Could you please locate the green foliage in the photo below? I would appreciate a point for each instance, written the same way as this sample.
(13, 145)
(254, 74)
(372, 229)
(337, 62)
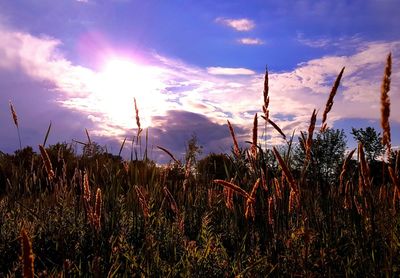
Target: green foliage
(371, 140)
(327, 155)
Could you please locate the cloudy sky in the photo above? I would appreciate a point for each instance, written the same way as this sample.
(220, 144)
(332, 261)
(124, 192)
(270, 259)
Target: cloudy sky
(191, 65)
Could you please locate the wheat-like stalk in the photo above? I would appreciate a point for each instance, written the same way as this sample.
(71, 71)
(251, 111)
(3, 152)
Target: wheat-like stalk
(236, 149)
(385, 104)
(266, 89)
(310, 135)
(187, 174)
(171, 199)
(293, 201)
(286, 171)
(97, 209)
(228, 192)
(255, 137)
(15, 119)
(143, 202)
(47, 162)
(137, 119)
(344, 168)
(86, 188)
(278, 190)
(329, 102)
(27, 255)
(365, 173)
(265, 94)
(347, 196)
(14, 114)
(271, 210)
(234, 187)
(277, 128)
(170, 154)
(251, 200)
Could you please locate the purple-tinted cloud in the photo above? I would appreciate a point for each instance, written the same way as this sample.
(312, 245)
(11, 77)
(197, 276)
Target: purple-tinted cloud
(176, 99)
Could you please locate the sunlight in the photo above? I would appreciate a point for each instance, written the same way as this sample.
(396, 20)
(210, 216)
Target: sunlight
(118, 83)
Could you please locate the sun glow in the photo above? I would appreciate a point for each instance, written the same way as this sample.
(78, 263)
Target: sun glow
(118, 83)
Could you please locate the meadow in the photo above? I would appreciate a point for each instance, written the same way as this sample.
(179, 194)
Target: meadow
(308, 208)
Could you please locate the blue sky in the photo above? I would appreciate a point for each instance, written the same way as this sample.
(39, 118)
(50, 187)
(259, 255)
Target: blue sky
(191, 65)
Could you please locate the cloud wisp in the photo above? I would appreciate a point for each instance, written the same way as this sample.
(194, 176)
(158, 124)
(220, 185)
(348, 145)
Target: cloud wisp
(229, 71)
(250, 41)
(240, 24)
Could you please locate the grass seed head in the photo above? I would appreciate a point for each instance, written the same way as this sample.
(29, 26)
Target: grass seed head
(236, 149)
(385, 104)
(27, 255)
(329, 102)
(47, 162)
(14, 114)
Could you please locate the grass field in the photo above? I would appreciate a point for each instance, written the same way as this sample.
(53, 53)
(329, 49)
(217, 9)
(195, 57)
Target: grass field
(256, 212)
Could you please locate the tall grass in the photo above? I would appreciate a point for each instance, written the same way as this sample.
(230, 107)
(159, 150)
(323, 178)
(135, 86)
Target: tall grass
(262, 215)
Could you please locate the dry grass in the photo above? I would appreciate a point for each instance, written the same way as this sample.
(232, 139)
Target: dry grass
(275, 126)
(97, 210)
(286, 171)
(236, 149)
(169, 154)
(344, 169)
(47, 163)
(27, 255)
(310, 135)
(14, 114)
(385, 104)
(144, 221)
(250, 202)
(253, 149)
(15, 119)
(143, 201)
(137, 120)
(329, 102)
(234, 187)
(86, 188)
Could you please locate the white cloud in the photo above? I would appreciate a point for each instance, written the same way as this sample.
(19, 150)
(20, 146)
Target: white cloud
(250, 41)
(40, 58)
(218, 92)
(229, 71)
(241, 24)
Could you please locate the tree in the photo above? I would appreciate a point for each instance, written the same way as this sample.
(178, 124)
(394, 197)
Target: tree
(193, 150)
(371, 140)
(327, 155)
(214, 166)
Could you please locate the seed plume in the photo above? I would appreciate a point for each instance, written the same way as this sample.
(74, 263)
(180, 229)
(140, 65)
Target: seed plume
(329, 102)
(15, 119)
(27, 255)
(234, 187)
(47, 162)
(137, 119)
(255, 136)
(310, 135)
(236, 149)
(385, 103)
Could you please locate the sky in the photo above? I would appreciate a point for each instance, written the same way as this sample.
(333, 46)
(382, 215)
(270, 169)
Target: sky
(191, 65)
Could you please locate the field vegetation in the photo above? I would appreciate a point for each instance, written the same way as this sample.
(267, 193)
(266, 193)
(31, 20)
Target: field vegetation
(308, 208)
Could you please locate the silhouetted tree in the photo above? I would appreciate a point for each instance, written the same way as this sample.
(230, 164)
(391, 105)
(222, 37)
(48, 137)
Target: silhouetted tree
(371, 140)
(327, 155)
(214, 166)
